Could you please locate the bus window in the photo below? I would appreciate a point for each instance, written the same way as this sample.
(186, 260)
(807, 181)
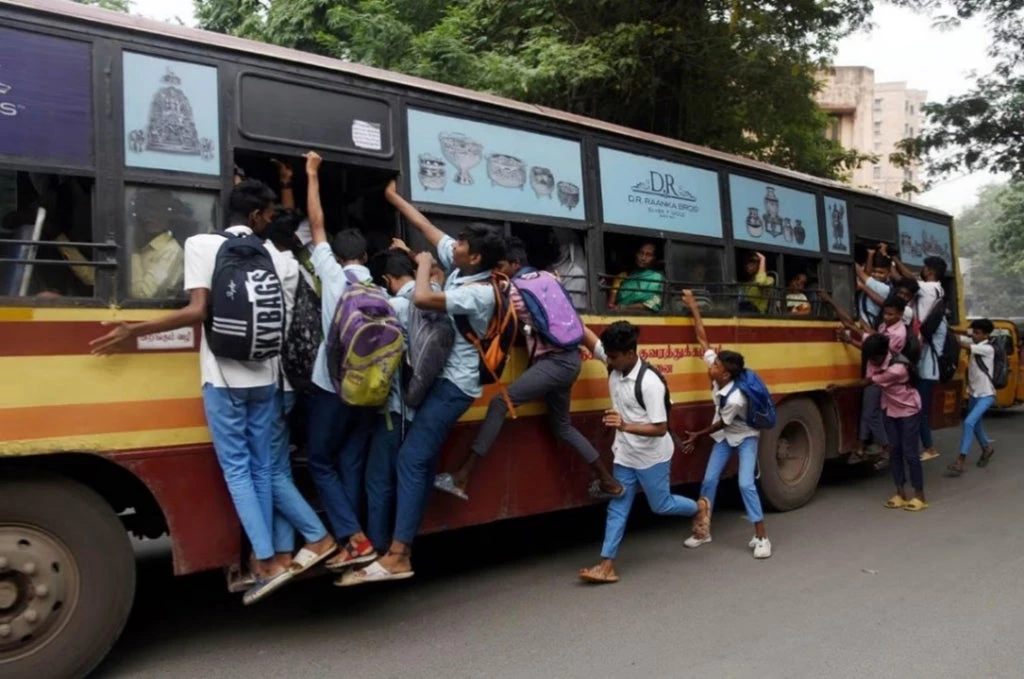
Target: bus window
(758, 290)
(46, 207)
(698, 268)
(841, 284)
(352, 197)
(560, 251)
(802, 282)
(159, 220)
(634, 277)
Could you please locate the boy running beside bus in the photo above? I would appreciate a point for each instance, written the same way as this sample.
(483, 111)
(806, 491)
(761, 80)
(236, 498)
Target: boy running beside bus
(643, 447)
(469, 260)
(552, 371)
(981, 390)
(731, 432)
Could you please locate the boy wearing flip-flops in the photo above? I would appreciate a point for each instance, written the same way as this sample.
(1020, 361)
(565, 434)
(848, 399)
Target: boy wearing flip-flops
(901, 403)
(643, 447)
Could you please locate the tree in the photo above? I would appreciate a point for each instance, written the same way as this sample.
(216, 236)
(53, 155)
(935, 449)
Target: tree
(735, 75)
(988, 233)
(982, 129)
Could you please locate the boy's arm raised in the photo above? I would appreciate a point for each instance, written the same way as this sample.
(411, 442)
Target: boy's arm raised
(698, 323)
(412, 215)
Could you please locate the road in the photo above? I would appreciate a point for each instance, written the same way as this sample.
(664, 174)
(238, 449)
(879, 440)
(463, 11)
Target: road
(853, 590)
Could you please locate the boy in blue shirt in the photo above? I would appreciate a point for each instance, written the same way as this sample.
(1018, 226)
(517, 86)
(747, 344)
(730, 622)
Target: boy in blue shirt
(467, 292)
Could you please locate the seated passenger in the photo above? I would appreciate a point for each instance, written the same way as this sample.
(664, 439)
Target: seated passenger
(754, 295)
(571, 267)
(158, 263)
(643, 288)
(796, 299)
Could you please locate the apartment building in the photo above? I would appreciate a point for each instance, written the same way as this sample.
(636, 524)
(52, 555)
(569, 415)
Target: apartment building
(872, 118)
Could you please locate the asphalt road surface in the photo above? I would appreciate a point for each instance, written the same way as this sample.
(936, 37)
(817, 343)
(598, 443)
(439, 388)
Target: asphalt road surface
(853, 590)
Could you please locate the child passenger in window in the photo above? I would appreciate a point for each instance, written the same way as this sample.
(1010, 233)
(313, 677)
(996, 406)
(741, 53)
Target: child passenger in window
(754, 294)
(796, 299)
(642, 289)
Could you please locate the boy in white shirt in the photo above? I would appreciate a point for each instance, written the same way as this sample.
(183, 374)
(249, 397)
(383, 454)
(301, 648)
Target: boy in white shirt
(730, 433)
(643, 447)
(981, 392)
(239, 396)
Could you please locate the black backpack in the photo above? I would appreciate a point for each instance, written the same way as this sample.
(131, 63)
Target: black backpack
(948, 356)
(304, 337)
(431, 336)
(246, 316)
(638, 394)
(1000, 375)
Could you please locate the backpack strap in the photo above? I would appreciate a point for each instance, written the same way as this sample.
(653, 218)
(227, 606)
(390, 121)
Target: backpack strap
(722, 400)
(984, 368)
(638, 391)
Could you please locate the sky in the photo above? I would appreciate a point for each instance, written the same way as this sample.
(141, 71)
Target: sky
(902, 46)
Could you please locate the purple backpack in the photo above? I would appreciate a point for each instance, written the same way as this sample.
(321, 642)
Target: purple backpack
(365, 345)
(551, 309)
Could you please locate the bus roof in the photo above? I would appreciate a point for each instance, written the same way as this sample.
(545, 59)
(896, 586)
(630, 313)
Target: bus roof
(251, 47)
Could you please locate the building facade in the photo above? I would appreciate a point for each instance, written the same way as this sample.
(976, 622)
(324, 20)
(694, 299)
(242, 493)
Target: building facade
(872, 118)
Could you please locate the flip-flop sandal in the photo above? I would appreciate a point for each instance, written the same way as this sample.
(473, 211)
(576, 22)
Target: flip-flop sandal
(985, 457)
(856, 457)
(589, 576)
(598, 493)
(372, 573)
(353, 557)
(307, 558)
(954, 471)
(446, 484)
(927, 456)
(265, 587)
(895, 502)
(915, 505)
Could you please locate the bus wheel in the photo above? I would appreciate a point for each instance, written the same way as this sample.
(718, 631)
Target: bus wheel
(791, 455)
(67, 578)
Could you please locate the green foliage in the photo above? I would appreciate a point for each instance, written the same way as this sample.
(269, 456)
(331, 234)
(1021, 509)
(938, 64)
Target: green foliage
(982, 129)
(735, 75)
(115, 5)
(989, 234)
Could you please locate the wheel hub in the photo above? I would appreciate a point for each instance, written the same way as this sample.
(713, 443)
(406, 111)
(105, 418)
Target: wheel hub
(38, 585)
(793, 452)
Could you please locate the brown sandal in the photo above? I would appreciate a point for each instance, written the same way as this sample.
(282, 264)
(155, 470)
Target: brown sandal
(352, 555)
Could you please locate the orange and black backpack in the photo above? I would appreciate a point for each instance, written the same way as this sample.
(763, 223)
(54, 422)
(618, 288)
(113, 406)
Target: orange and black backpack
(497, 341)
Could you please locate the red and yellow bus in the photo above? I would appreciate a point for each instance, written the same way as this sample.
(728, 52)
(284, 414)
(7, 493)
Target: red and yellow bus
(119, 138)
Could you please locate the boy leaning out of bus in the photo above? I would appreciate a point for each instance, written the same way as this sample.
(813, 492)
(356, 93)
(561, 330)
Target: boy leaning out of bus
(891, 371)
(730, 432)
(642, 449)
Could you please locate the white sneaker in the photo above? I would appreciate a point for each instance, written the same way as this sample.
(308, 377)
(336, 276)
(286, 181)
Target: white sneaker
(762, 548)
(693, 541)
(752, 543)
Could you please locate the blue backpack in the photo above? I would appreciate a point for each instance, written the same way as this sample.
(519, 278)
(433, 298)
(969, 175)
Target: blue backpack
(760, 407)
(246, 316)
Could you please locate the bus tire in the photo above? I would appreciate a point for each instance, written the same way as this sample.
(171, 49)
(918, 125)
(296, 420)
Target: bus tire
(67, 578)
(791, 455)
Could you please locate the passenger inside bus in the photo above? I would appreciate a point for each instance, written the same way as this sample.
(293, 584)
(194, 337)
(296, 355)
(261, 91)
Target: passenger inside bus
(755, 291)
(797, 302)
(641, 284)
(700, 270)
(156, 218)
(67, 202)
(561, 252)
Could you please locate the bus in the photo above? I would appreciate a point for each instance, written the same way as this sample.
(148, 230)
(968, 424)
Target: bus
(120, 138)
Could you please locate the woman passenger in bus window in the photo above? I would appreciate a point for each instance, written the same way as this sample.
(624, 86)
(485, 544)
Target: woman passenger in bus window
(643, 288)
(796, 299)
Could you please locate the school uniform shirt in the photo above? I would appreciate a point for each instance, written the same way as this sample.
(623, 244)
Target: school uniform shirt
(897, 334)
(928, 366)
(867, 308)
(908, 314)
(476, 302)
(630, 450)
(401, 303)
(200, 260)
(333, 284)
(899, 399)
(158, 268)
(289, 286)
(928, 295)
(979, 385)
(732, 413)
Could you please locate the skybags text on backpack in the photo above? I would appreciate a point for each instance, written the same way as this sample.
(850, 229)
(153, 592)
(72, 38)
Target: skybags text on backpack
(246, 316)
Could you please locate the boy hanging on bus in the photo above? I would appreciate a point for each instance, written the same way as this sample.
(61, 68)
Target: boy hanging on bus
(239, 391)
(338, 433)
(873, 286)
(643, 447)
(467, 292)
(552, 371)
(291, 510)
(891, 371)
(730, 431)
